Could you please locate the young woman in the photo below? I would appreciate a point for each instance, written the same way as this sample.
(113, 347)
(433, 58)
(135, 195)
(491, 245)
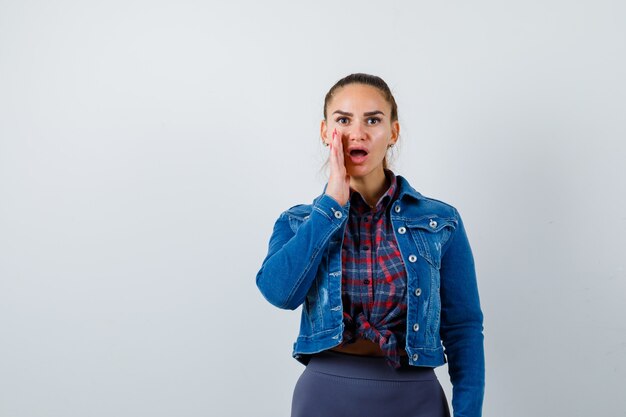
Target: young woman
(385, 277)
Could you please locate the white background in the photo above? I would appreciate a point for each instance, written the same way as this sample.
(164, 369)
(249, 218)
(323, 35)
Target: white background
(147, 147)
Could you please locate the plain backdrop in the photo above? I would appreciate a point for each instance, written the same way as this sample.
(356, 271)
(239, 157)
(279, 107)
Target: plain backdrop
(147, 147)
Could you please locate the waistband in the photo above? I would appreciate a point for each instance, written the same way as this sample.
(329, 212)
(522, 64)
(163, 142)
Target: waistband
(366, 367)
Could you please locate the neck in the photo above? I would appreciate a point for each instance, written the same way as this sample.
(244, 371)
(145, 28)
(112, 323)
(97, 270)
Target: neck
(372, 186)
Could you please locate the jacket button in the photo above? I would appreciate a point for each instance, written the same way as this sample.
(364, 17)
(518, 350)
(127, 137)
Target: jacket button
(397, 209)
(415, 356)
(401, 230)
(416, 327)
(433, 223)
(418, 291)
(412, 258)
(338, 214)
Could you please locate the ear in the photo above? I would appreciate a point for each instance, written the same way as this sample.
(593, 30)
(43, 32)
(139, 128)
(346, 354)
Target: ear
(395, 131)
(324, 131)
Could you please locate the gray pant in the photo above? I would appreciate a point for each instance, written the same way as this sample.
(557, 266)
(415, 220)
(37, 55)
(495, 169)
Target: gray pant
(337, 385)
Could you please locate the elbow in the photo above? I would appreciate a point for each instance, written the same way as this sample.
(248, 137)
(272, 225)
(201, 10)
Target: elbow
(279, 300)
(290, 304)
(469, 332)
(275, 294)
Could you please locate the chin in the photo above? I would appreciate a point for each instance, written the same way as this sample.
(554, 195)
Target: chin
(358, 171)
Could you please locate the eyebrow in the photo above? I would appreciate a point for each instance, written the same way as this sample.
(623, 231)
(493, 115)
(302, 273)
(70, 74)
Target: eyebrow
(369, 113)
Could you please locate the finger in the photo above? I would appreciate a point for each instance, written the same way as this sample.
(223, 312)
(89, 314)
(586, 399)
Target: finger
(333, 163)
(333, 146)
(340, 155)
(336, 144)
(341, 166)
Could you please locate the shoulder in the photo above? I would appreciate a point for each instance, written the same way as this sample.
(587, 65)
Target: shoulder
(439, 206)
(421, 204)
(298, 211)
(303, 211)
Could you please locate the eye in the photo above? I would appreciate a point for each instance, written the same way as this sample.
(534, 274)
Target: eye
(373, 120)
(342, 120)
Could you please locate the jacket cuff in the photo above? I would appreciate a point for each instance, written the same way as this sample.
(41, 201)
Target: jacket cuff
(330, 208)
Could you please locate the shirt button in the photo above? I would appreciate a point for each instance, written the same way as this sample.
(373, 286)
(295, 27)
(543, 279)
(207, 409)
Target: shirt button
(433, 223)
(415, 356)
(401, 230)
(366, 281)
(412, 258)
(416, 327)
(338, 214)
(397, 209)
(418, 291)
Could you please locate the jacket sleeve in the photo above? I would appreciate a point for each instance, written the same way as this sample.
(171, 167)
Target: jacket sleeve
(292, 260)
(462, 325)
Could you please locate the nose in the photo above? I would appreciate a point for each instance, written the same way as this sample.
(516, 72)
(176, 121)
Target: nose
(356, 132)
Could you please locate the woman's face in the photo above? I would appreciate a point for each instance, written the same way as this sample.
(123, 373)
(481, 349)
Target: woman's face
(362, 118)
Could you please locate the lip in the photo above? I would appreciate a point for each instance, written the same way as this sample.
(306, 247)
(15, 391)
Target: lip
(360, 148)
(357, 159)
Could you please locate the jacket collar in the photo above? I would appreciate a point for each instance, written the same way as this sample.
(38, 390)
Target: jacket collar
(404, 189)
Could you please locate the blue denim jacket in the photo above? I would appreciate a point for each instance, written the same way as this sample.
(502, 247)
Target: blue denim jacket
(303, 267)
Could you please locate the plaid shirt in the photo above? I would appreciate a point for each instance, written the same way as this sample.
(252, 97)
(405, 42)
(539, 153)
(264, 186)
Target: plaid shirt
(374, 277)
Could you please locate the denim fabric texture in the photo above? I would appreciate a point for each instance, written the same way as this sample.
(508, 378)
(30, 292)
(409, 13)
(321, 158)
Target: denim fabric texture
(444, 317)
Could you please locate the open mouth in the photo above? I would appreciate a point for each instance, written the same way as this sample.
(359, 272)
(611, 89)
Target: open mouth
(358, 156)
(358, 153)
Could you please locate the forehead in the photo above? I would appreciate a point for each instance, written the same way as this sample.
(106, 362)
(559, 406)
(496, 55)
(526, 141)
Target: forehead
(358, 96)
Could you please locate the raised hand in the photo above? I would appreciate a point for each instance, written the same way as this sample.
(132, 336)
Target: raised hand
(339, 181)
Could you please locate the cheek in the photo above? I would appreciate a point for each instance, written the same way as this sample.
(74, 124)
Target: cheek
(342, 131)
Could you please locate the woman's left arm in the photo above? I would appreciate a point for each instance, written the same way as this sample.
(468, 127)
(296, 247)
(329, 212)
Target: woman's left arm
(462, 325)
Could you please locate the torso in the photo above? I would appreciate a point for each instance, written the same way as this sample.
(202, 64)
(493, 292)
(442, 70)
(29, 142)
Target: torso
(371, 262)
(363, 347)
